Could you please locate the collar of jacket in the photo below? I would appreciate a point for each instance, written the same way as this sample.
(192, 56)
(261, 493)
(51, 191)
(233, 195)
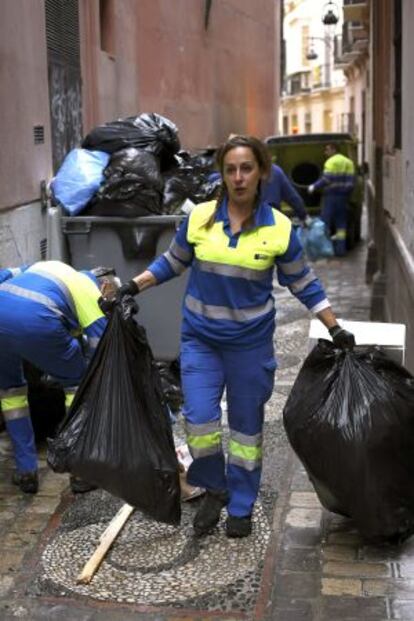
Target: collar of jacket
(263, 214)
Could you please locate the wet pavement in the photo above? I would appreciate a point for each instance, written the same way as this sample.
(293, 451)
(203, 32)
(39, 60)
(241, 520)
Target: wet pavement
(301, 563)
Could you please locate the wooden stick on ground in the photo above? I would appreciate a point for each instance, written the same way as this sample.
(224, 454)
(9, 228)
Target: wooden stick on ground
(105, 541)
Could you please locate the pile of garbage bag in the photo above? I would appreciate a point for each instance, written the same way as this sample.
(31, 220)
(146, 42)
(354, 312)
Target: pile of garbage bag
(189, 179)
(133, 167)
(350, 420)
(117, 434)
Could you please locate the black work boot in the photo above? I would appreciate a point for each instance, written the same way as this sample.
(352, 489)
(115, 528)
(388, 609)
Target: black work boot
(27, 481)
(237, 527)
(80, 486)
(208, 515)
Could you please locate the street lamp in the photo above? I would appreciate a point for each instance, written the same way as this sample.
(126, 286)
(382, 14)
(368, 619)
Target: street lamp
(330, 14)
(312, 55)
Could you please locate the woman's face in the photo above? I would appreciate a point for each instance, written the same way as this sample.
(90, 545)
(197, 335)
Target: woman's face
(241, 175)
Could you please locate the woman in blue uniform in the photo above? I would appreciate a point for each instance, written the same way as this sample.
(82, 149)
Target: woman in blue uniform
(232, 246)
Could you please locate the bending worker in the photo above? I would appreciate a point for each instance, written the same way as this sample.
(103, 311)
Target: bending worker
(232, 245)
(337, 183)
(44, 308)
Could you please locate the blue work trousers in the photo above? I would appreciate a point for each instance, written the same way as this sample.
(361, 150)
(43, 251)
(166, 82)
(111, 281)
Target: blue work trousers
(248, 377)
(30, 331)
(334, 214)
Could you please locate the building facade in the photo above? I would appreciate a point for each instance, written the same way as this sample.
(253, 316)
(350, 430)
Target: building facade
(390, 265)
(69, 65)
(313, 88)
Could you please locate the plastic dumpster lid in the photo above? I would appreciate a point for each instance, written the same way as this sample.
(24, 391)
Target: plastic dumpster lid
(307, 138)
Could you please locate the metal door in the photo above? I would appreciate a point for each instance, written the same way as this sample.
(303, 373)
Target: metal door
(64, 73)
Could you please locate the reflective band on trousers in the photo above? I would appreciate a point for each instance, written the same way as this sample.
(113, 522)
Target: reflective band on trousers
(17, 413)
(31, 295)
(247, 457)
(340, 234)
(204, 439)
(233, 270)
(69, 397)
(14, 402)
(225, 312)
(12, 392)
(15, 407)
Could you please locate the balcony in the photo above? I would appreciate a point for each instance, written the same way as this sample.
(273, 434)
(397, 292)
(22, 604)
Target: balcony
(356, 11)
(352, 44)
(298, 83)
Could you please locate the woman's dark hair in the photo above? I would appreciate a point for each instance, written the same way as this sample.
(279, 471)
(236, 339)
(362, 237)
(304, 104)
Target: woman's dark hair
(261, 155)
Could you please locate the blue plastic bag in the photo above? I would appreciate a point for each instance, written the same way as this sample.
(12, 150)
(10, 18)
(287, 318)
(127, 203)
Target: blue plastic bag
(79, 178)
(315, 240)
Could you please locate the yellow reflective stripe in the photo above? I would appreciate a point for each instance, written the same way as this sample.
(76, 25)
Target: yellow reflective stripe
(205, 441)
(340, 234)
(69, 397)
(256, 248)
(83, 290)
(246, 453)
(14, 402)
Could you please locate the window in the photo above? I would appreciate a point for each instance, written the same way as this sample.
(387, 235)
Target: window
(308, 123)
(285, 124)
(327, 121)
(107, 26)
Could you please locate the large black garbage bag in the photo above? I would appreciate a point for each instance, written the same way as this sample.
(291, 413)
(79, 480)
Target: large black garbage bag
(350, 419)
(149, 131)
(117, 434)
(133, 186)
(189, 179)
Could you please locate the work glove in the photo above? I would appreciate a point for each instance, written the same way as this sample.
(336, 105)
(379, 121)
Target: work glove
(106, 306)
(342, 338)
(311, 189)
(129, 288)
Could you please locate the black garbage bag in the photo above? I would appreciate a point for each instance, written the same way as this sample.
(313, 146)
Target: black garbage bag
(189, 179)
(170, 375)
(149, 131)
(117, 434)
(350, 419)
(133, 186)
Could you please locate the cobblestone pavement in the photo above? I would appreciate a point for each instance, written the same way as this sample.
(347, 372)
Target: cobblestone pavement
(302, 563)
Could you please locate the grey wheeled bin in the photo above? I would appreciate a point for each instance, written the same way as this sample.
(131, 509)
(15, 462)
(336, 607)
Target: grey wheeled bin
(129, 245)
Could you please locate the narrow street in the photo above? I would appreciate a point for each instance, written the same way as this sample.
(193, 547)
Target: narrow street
(301, 562)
